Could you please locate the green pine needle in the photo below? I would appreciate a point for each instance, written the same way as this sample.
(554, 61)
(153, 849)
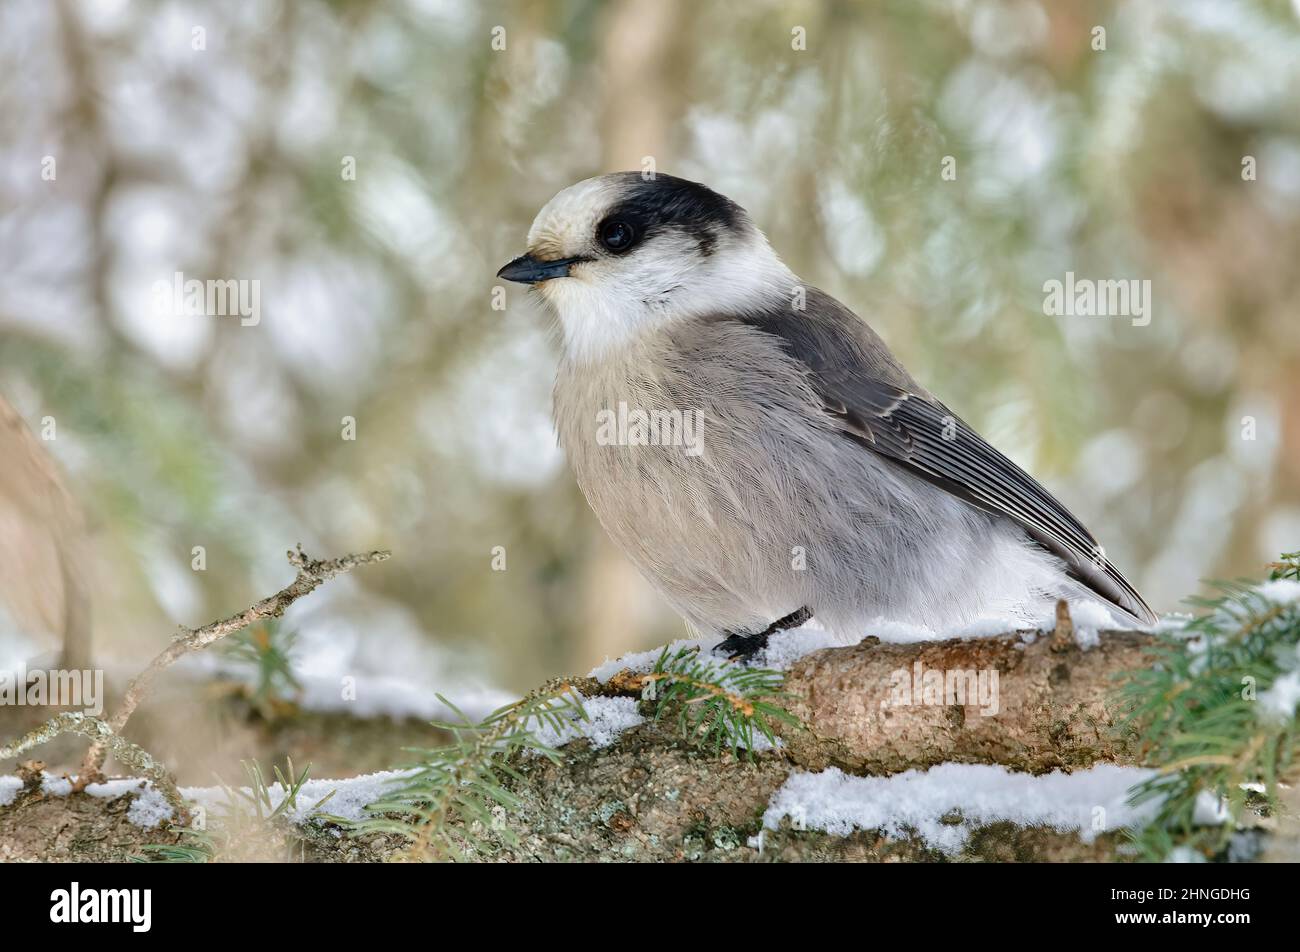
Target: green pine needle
(449, 802)
(718, 705)
(451, 794)
(266, 649)
(1194, 711)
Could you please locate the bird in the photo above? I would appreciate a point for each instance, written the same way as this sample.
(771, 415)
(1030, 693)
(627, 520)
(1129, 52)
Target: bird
(759, 454)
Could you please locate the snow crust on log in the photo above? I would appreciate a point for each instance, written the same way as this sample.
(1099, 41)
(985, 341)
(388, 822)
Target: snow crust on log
(148, 808)
(607, 718)
(941, 805)
(928, 802)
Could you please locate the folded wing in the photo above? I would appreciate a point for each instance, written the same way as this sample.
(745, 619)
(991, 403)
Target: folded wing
(876, 403)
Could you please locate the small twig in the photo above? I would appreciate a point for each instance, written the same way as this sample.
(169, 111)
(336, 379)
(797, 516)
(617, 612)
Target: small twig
(1063, 633)
(75, 722)
(311, 573)
(635, 684)
(107, 734)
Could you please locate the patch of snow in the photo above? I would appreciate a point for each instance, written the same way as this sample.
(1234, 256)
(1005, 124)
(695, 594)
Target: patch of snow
(986, 626)
(607, 718)
(787, 648)
(1210, 810)
(1184, 854)
(1173, 624)
(1089, 620)
(901, 632)
(762, 744)
(146, 810)
(106, 790)
(350, 795)
(349, 800)
(990, 626)
(1280, 591)
(641, 661)
(1087, 802)
(53, 786)
(1278, 703)
(149, 808)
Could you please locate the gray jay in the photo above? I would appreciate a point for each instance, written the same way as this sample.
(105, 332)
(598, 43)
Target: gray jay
(756, 450)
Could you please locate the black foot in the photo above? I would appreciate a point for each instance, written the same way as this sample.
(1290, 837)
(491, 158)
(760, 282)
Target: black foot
(741, 646)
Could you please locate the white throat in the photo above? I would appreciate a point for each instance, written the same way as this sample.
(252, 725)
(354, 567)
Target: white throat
(602, 312)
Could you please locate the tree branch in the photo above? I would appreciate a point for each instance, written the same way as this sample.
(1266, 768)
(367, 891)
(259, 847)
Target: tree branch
(312, 573)
(1045, 703)
(75, 722)
(1054, 705)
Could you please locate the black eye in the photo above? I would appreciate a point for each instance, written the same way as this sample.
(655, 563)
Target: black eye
(617, 235)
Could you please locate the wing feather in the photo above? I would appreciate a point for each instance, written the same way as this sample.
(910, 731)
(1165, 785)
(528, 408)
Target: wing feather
(875, 402)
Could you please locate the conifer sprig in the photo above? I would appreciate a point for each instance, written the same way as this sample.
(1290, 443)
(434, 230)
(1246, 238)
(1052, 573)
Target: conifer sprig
(266, 649)
(717, 704)
(453, 790)
(1196, 712)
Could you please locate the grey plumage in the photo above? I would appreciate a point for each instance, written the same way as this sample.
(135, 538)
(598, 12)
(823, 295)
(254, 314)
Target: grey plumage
(878, 403)
(826, 478)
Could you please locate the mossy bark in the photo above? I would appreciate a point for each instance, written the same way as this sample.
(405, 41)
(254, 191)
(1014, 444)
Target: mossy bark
(651, 796)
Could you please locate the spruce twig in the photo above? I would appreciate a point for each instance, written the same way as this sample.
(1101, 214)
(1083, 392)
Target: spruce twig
(454, 789)
(1196, 711)
(717, 703)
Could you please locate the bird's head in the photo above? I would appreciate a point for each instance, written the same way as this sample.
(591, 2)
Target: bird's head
(618, 255)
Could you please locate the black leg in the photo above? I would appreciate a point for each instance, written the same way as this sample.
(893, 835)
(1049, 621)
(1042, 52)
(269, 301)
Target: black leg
(741, 646)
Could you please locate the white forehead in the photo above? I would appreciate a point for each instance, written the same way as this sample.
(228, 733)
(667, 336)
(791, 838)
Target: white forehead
(564, 225)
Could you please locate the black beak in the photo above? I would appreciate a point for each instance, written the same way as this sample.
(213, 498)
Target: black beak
(528, 270)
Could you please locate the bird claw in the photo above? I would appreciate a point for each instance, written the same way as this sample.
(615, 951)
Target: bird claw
(740, 646)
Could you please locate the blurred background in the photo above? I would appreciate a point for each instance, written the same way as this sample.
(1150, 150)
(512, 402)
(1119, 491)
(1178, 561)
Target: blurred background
(371, 164)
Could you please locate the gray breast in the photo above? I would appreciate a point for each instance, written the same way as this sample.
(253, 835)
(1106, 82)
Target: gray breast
(770, 509)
